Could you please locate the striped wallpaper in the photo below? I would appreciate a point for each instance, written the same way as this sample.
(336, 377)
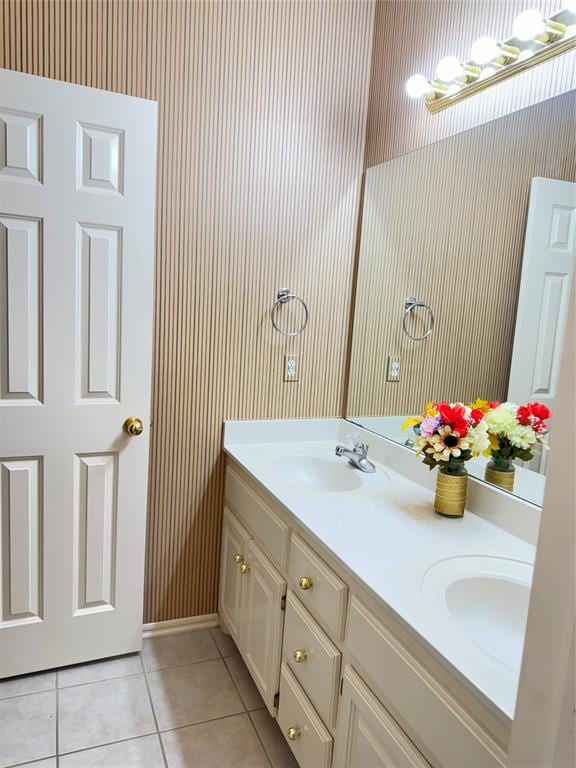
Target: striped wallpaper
(446, 224)
(262, 110)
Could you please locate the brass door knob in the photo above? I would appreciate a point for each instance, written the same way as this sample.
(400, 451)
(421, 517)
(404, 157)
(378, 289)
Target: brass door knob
(133, 425)
(293, 733)
(300, 656)
(305, 582)
(244, 568)
(238, 558)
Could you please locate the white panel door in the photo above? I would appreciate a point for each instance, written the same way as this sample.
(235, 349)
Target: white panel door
(232, 580)
(547, 269)
(77, 177)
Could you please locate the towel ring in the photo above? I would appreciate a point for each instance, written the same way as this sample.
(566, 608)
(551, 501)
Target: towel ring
(283, 296)
(410, 304)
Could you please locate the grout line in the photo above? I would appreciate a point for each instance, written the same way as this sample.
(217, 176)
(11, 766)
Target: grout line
(184, 664)
(257, 732)
(99, 746)
(203, 722)
(154, 715)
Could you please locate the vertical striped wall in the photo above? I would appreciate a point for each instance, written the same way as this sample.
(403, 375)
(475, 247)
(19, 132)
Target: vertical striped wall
(411, 36)
(262, 110)
(446, 224)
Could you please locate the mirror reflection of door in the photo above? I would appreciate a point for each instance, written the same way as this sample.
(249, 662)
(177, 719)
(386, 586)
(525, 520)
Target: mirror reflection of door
(547, 269)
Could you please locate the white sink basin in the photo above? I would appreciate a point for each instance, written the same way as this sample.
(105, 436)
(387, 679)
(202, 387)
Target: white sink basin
(486, 598)
(314, 473)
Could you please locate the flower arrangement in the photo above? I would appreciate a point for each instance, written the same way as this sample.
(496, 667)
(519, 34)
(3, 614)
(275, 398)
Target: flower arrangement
(449, 434)
(515, 431)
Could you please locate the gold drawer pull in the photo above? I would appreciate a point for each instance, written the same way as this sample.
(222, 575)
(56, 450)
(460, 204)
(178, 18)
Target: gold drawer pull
(293, 733)
(305, 582)
(300, 656)
(238, 558)
(244, 568)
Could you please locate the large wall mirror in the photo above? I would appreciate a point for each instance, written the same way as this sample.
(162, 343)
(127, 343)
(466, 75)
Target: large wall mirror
(467, 251)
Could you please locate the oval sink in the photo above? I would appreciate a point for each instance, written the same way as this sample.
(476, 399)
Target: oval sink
(487, 599)
(317, 474)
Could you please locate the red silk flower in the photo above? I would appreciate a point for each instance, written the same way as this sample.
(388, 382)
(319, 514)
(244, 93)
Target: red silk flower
(476, 415)
(539, 411)
(454, 416)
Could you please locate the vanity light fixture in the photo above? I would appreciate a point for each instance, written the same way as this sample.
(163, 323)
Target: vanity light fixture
(535, 39)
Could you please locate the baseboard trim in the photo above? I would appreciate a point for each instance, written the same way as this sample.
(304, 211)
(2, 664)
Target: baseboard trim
(172, 627)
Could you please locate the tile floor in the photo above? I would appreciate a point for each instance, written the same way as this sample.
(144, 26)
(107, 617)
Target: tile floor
(187, 701)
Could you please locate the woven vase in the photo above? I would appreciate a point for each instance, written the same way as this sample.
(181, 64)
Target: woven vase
(450, 493)
(503, 478)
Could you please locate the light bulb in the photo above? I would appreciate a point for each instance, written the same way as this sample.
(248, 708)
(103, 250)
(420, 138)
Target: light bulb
(525, 54)
(449, 68)
(417, 86)
(484, 50)
(528, 25)
(486, 73)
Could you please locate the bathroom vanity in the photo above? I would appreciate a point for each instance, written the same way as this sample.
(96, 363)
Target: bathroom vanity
(377, 633)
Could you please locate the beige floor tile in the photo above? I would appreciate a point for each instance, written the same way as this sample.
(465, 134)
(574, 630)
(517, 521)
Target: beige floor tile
(243, 679)
(227, 743)
(135, 753)
(97, 713)
(27, 728)
(226, 645)
(17, 686)
(191, 694)
(276, 746)
(99, 670)
(176, 650)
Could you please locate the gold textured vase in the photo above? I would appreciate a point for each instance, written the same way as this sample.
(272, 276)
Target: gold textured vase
(503, 478)
(450, 493)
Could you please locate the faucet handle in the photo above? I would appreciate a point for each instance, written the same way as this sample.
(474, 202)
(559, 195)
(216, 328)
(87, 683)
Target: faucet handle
(358, 446)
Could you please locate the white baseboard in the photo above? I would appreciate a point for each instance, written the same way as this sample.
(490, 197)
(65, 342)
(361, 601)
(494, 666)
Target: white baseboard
(172, 627)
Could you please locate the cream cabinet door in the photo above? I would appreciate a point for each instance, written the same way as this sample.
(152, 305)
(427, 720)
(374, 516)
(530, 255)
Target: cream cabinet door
(367, 736)
(263, 623)
(232, 582)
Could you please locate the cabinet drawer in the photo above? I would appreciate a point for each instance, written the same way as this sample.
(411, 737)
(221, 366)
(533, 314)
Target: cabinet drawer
(317, 586)
(367, 737)
(313, 659)
(311, 743)
(272, 533)
(439, 725)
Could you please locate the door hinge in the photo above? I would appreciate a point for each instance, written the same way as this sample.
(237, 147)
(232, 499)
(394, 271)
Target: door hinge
(276, 699)
(341, 685)
(283, 603)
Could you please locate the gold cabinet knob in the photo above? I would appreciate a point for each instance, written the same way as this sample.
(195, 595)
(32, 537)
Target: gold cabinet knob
(244, 568)
(300, 656)
(238, 558)
(133, 425)
(293, 733)
(305, 582)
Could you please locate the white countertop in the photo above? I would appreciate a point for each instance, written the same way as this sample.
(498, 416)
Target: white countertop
(388, 535)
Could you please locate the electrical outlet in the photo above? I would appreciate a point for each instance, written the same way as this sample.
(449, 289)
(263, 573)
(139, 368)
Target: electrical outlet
(291, 367)
(393, 369)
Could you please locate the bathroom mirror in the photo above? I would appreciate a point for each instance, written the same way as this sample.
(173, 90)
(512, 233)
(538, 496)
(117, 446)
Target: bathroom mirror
(466, 254)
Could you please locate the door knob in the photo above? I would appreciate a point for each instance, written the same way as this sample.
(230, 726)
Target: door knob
(133, 425)
(238, 558)
(293, 733)
(300, 656)
(305, 582)
(244, 568)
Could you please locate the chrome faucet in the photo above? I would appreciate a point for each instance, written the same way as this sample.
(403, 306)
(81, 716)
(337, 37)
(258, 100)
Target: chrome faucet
(357, 455)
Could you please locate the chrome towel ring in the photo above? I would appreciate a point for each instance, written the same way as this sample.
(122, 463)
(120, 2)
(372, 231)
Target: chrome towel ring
(283, 296)
(410, 304)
